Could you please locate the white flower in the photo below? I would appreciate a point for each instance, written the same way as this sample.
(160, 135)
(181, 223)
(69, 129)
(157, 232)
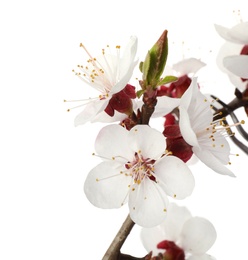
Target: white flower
(194, 235)
(136, 169)
(229, 58)
(200, 131)
(108, 74)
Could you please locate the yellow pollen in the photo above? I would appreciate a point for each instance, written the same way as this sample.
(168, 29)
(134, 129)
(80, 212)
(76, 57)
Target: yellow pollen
(229, 163)
(174, 195)
(205, 100)
(113, 158)
(118, 47)
(97, 179)
(133, 189)
(165, 210)
(242, 122)
(213, 145)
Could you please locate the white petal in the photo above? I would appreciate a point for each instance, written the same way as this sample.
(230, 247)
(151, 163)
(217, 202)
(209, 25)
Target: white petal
(188, 66)
(106, 187)
(227, 49)
(150, 237)
(211, 161)
(126, 65)
(189, 94)
(112, 143)
(147, 204)
(90, 111)
(219, 148)
(175, 219)
(186, 129)
(198, 235)
(201, 257)
(103, 117)
(165, 105)
(174, 176)
(237, 34)
(237, 64)
(150, 142)
(237, 82)
(120, 85)
(223, 32)
(129, 55)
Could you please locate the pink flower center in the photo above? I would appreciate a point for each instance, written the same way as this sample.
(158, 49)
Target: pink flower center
(141, 168)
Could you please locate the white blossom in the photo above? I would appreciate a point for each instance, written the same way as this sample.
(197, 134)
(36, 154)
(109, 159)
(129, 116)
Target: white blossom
(108, 74)
(199, 130)
(194, 235)
(229, 58)
(136, 169)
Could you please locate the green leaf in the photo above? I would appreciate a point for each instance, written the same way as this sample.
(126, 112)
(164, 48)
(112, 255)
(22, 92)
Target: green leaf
(166, 80)
(139, 93)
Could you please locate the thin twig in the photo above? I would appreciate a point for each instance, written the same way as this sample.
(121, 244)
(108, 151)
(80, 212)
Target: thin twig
(113, 251)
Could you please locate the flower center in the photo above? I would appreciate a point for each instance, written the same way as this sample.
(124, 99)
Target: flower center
(172, 252)
(141, 168)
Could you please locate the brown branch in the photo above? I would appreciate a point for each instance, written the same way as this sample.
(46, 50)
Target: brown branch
(113, 252)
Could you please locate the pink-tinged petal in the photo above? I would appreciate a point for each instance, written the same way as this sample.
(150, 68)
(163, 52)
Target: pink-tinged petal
(150, 237)
(174, 177)
(90, 111)
(165, 105)
(201, 257)
(211, 161)
(112, 143)
(237, 64)
(198, 235)
(175, 219)
(186, 129)
(188, 66)
(106, 186)
(147, 141)
(147, 204)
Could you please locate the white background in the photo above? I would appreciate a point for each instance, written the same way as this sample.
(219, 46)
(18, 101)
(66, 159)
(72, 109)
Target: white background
(44, 213)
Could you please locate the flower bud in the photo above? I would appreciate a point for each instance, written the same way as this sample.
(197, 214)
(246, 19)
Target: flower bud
(153, 66)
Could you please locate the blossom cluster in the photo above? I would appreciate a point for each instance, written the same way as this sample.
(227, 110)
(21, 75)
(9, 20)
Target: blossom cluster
(144, 167)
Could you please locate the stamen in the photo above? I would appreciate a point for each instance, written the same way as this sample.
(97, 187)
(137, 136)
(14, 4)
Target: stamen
(86, 102)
